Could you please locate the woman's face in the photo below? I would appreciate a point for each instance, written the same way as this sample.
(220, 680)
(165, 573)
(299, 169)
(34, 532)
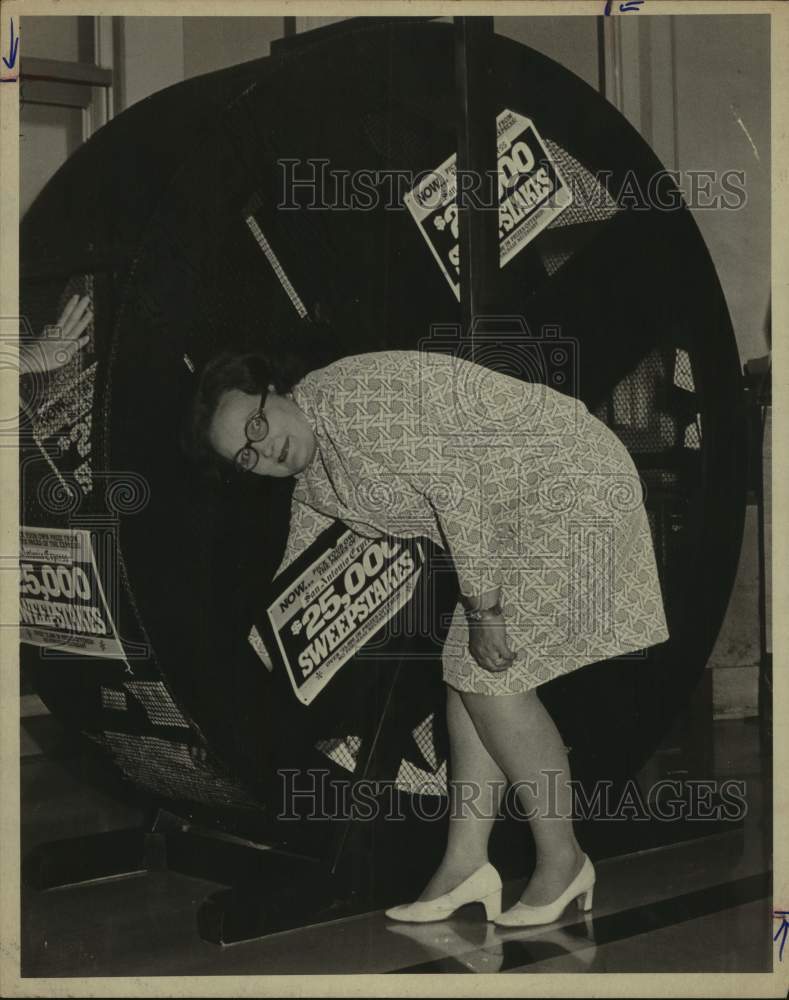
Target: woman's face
(288, 447)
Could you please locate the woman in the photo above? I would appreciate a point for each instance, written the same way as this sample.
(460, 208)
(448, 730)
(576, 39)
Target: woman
(540, 507)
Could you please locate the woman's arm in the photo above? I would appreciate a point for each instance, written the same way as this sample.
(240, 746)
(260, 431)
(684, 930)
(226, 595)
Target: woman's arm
(454, 492)
(305, 526)
(469, 536)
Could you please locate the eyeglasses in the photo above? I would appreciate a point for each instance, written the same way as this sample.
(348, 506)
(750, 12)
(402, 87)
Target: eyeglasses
(255, 430)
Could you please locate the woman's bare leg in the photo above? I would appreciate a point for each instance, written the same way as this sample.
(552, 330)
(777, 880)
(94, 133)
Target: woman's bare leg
(476, 788)
(523, 741)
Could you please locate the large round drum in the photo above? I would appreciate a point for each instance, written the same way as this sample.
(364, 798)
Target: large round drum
(285, 204)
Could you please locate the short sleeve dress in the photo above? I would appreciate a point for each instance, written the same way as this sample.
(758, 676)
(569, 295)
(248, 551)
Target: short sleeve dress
(523, 487)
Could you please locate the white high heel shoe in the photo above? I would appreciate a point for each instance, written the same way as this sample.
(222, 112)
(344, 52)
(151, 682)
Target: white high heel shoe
(581, 888)
(484, 886)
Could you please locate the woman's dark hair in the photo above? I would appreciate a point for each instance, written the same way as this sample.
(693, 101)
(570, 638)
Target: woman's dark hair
(250, 372)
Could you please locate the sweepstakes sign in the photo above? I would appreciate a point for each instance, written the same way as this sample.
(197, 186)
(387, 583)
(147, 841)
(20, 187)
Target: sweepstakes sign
(531, 194)
(329, 603)
(62, 603)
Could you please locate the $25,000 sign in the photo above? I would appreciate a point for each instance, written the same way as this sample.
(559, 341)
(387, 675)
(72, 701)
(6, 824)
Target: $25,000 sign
(333, 599)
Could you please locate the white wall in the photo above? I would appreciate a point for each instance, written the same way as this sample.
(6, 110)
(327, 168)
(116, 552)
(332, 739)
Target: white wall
(570, 41)
(150, 57)
(66, 38)
(722, 93)
(723, 122)
(211, 43)
(47, 137)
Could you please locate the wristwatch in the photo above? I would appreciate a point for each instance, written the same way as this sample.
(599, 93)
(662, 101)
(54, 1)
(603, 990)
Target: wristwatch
(478, 614)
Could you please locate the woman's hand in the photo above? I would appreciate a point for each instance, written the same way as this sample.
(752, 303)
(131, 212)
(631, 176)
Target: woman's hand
(48, 353)
(488, 644)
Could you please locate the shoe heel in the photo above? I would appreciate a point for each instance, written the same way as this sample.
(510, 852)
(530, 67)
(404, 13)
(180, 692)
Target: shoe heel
(585, 900)
(492, 905)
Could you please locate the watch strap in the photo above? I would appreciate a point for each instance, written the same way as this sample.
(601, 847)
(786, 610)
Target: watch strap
(479, 614)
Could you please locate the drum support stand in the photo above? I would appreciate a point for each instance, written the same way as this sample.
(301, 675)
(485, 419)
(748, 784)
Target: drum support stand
(268, 888)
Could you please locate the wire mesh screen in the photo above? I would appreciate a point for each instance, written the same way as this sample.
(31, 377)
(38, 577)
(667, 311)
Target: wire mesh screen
(424, 770)
(591, 200)
(159, 706)
(176, 771)
(343, 751)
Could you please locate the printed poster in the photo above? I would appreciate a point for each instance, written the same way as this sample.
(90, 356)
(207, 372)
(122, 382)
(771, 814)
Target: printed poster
(531, 193)
(323, 614)
(62, 604)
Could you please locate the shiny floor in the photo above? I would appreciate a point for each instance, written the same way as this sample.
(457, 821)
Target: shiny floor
(698, 906)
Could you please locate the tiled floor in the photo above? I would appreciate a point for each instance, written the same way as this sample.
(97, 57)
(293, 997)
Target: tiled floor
(698, 906)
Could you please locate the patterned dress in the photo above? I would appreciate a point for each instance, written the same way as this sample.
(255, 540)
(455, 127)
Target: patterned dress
(523, 487)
